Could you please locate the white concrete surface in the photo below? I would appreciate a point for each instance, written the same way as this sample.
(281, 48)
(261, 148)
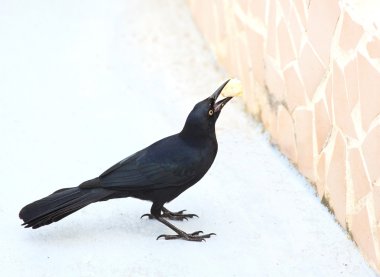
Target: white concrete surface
(83, 84)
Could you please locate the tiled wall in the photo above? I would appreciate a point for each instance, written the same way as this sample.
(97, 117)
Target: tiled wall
(311, 73)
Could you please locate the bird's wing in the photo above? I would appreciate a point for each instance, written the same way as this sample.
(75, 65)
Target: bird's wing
(144, 170)
(129, 159)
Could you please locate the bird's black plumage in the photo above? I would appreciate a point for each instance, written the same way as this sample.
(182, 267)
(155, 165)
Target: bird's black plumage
(158, 173)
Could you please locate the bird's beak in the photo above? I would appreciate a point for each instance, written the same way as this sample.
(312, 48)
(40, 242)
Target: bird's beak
(220, 104)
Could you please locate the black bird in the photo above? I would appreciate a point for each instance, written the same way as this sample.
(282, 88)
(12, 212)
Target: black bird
(158, 173)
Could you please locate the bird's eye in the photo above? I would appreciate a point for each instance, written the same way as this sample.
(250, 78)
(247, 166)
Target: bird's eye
(210, 112)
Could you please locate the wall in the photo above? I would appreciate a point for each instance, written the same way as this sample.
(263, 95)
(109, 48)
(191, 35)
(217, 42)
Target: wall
(311, 73)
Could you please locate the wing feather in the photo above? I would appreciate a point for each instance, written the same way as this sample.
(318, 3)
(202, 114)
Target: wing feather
(151, 169)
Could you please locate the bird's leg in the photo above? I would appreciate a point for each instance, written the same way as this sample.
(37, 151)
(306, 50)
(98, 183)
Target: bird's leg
(195, 236)
(172, 215)
(155, 211)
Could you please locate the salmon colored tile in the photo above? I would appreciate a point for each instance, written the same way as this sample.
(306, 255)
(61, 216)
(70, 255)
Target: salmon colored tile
(336, 180)
(239, 24)
(361, 232)
(286, 48)
(244, 4)
(232, 63)
(295, 91)
(296, 29)
(221, 21)
(350, 34)
(342, 108)
(202, 11)
(272, 126)
(272, 43)
(244, 50)
(285, 6)
(351, 80)
(323, 17)
(321, 175)
(369, 87)
(250, 95)
(257, 9)
(329, 96)
(371, 153)
(256, 54)
(268, 118)
(274, 81)
(285, 131)
(304, 139)
(361, 183)
(311, 70)
(376, 202)
(244, 63)
(215, 21)
(221, 53)
(373, 48)
(210, 24)
(323, 124)
(376, 264)
(300, 7)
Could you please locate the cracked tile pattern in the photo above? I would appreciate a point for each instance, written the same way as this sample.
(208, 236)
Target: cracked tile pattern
(311, 74)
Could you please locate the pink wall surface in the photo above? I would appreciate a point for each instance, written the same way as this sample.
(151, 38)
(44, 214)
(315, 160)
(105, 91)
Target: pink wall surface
(311, 73)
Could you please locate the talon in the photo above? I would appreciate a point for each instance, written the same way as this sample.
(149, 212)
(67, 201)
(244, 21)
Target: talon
(209, 235)
(160, 236)
(148, 215)
(192, 215)
(168, 237)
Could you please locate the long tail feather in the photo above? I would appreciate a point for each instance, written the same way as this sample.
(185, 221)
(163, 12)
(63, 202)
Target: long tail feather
(61, 204)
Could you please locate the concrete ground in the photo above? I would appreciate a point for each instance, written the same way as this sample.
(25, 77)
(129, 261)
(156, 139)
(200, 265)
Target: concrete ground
(84, 84)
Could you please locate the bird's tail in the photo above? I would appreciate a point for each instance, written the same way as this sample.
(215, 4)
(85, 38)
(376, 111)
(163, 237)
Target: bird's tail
(60, 204)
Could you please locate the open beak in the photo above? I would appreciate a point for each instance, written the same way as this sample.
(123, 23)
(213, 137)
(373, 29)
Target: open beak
(220, 104)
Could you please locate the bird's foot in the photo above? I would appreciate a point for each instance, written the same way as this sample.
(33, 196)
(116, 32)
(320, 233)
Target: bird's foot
(172, 215)
(195, 236)
(180, 215)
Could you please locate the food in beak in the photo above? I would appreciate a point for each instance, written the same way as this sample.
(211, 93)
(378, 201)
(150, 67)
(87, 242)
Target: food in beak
(232, 88)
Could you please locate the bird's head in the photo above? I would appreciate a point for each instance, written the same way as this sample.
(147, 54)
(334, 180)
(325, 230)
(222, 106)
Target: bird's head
(201, 120)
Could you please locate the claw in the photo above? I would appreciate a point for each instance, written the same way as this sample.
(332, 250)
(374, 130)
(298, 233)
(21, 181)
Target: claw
(192, 215)
(148, 215)
(160, 236)
(168, 237)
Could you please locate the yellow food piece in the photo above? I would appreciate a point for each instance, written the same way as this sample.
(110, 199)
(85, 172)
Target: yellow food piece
(233, 88)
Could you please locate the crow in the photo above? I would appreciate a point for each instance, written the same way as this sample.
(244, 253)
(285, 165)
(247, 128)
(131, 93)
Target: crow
(158, 173)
